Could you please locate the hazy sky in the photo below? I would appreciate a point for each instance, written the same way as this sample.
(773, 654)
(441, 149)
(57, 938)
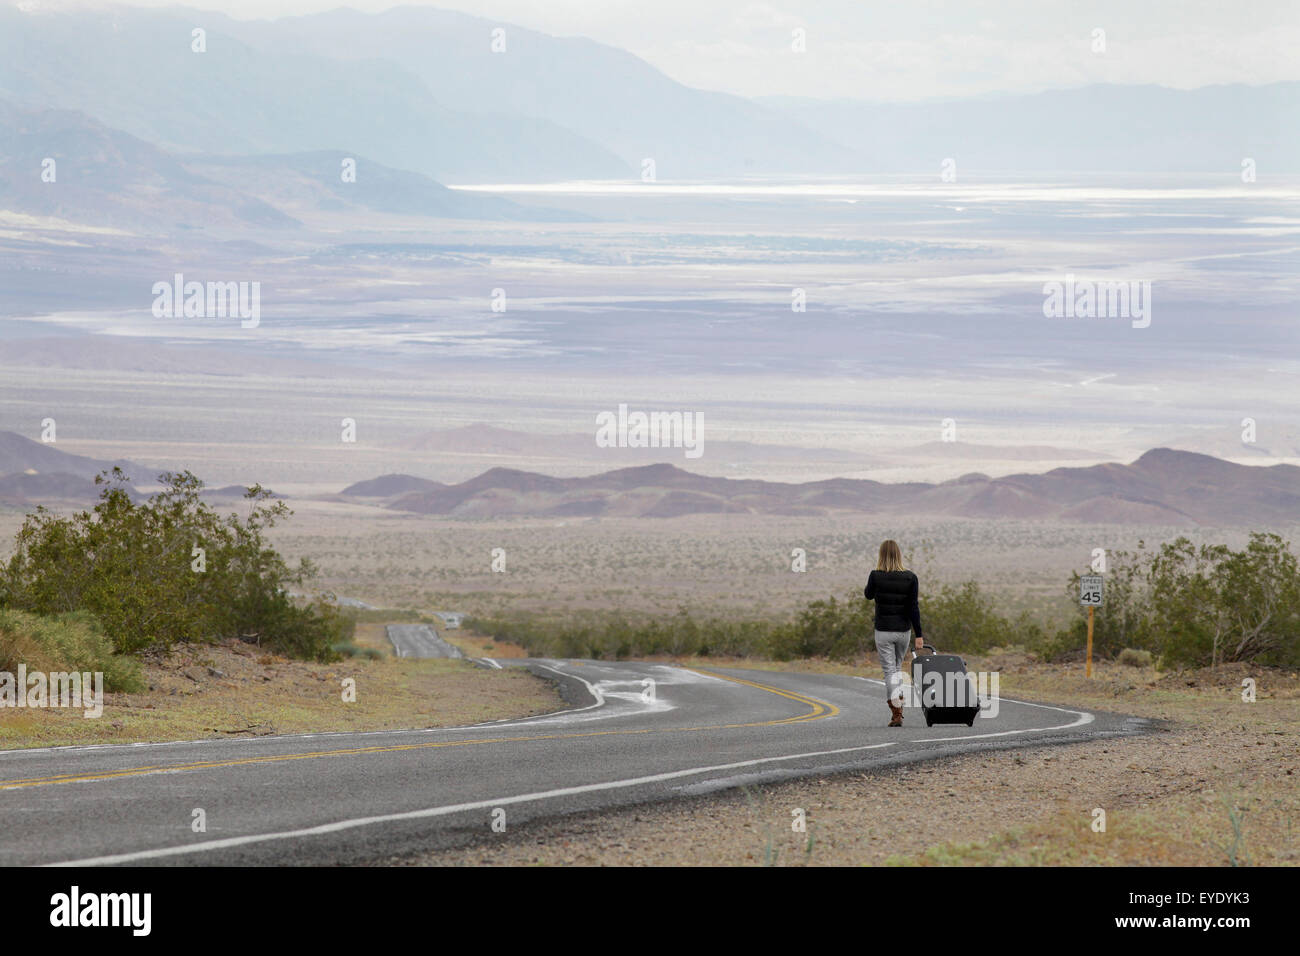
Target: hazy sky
(902, 49)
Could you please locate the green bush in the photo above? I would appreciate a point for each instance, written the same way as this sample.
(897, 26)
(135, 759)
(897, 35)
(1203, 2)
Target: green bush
(1131, 657)
(961, 619)
(614, 636)
(833, 629)
(135, 568)
(68, 642)
(1197, 605)
(1210, 605)
(349, 649)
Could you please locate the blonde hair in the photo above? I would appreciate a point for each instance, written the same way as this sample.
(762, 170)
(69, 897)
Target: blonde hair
(891, 557)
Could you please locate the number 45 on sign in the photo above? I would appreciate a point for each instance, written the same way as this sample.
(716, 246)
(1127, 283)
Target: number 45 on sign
(1091, 591)
(1092, 595)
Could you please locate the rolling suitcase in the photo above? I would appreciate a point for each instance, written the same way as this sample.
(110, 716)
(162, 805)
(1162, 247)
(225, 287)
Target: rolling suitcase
(945, 692)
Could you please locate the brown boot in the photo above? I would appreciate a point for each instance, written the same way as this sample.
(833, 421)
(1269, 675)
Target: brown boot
(897, 719)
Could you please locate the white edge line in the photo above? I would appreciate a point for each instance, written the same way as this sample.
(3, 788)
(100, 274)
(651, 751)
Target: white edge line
(326, 828)
(1083, 717)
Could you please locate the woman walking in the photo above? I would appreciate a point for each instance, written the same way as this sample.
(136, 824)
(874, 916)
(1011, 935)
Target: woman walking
(895, 591)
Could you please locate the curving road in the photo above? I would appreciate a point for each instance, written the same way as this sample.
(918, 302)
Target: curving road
(351, 797)
(419, 640)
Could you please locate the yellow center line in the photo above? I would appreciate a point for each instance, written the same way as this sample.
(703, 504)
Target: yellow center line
(820, 709)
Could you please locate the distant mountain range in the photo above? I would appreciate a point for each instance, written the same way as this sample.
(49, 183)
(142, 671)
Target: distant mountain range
(1164, 486)
(1098, 128)
(606, 97)
(421, 90)
(34, 473)
(135, 70)
(34, 489)
(19, 454)
(480, 446)
(415, 88)
(481, 440)
(105, 177)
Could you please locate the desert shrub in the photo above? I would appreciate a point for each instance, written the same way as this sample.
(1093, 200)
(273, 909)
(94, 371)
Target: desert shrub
(308, 632)
(783, 643)
(961, 619)
(350, 650)
(1132, 657)
(614, 636)
(68, 642)
(1199, 606)
(133, 566)
(1211, 604)
(838, 630)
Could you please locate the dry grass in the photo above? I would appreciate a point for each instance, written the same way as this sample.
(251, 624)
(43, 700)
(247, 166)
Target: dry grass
(373, 636)
(479, 645)
(233, 690)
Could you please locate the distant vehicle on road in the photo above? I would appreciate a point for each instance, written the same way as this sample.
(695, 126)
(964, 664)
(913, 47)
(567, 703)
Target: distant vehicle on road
(450, 619)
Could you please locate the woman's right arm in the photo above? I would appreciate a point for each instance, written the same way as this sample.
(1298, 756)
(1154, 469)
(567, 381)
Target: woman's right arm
(870, 590)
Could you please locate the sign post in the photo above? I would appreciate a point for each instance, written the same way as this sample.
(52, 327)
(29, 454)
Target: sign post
(1092, 595)
(1087, 668)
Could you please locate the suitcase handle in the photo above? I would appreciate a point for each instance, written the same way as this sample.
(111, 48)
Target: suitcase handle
(933, 649)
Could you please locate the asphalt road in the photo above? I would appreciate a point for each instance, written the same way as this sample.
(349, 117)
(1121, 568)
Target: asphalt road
(351, 797)
(419, 640)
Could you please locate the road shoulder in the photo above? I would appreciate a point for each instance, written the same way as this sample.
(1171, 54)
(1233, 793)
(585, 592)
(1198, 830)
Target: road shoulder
(232, 689)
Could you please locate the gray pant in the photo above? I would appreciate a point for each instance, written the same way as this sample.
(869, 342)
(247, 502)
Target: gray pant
(892, 647)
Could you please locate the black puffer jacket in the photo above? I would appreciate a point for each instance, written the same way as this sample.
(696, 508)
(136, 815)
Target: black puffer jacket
(895, 594)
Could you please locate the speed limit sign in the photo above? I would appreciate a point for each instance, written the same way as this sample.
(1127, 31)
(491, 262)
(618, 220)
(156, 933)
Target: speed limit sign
(1092, 596)
(1091, 592)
